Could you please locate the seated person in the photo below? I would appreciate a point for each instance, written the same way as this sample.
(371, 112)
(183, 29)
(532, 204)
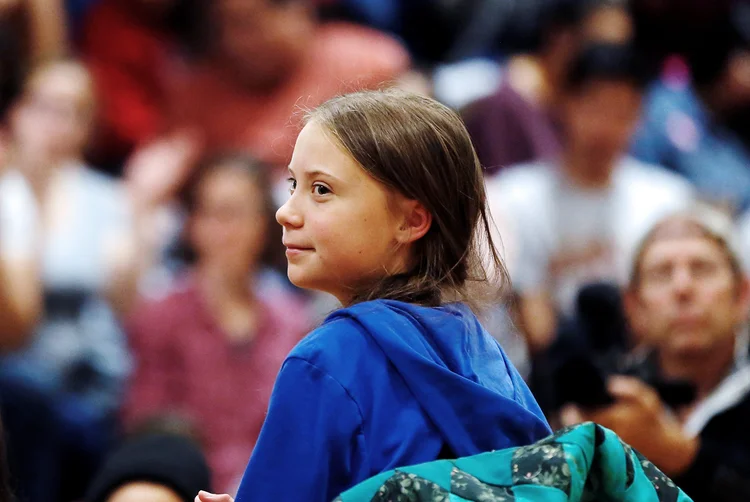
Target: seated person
(574, 220)
(690, 124)
(68, 257)
(687, 301)
(518, 122)
(225, 327)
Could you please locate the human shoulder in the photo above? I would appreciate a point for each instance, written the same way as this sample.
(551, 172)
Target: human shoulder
(503, 100)
(646, 179)
(529, 176)
(521, 187)
(333, 343)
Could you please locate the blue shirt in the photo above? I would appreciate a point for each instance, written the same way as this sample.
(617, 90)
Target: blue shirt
(381, 385)
(678, 132)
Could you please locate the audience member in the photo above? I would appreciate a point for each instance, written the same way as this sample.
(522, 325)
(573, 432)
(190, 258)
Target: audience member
(72, 239)
(154, 467)
(686, 121)
(518, 122)
(575, 219)
(212, 347)
(266, 60)
(687, 300)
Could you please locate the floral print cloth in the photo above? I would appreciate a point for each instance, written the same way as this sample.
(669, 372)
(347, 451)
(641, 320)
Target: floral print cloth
(583, 463)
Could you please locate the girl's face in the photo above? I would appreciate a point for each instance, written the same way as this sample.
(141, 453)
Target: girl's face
(228, 225)
(341, 227)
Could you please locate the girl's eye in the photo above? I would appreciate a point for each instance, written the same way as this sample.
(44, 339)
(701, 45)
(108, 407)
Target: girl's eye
(292, 184)
(321, 189)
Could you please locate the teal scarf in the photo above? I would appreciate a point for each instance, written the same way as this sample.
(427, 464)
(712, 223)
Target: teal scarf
(582, 463)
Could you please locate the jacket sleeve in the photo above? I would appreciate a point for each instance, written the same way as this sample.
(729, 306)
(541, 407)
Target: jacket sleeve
(311, 445)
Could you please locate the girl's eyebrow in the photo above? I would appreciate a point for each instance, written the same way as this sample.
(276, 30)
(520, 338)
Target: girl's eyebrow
(315, 172)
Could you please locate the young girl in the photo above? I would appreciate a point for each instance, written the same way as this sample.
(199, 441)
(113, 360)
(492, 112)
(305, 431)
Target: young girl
(388, 213)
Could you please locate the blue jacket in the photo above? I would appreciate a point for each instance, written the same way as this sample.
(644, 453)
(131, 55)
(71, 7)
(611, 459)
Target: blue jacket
(381, 385)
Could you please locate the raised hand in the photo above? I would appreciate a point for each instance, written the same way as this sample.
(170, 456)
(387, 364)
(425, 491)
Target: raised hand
(212, 497)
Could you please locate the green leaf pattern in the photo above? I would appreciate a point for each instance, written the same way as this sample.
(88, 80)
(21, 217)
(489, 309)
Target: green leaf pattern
(403, 487)
(468, 487)
(544, 465)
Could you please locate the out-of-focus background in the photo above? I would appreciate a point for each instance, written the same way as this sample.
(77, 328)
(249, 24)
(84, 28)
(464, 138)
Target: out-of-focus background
(143, 144)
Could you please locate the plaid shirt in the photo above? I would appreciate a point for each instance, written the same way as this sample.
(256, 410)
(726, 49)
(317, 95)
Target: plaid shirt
(185, 364)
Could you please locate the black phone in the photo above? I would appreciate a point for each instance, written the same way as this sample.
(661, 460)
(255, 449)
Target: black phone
(579, 381)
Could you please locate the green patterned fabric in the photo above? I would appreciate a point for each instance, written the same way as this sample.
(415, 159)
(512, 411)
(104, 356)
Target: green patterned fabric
(582, 463)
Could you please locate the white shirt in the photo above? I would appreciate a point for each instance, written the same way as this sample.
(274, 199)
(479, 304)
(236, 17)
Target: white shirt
(558, 236)
(19, 227)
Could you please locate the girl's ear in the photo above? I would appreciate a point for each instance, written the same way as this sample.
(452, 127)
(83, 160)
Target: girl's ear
(415, 223)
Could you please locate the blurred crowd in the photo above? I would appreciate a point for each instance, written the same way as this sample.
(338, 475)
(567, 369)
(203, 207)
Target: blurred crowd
(144, 306)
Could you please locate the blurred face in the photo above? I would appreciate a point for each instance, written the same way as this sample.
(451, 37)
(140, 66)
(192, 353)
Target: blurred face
(340, 224)
(139, 492)
(607, 24)
(228, 225)
(689, 300)
(599, 121)
(52, 120)
(261, 41)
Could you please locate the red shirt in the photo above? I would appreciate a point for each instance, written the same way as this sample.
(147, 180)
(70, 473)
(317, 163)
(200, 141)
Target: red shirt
(127, 60)
(186, 364)
(341, 58)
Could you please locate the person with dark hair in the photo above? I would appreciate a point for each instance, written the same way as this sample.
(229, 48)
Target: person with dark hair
(388, 214)
(518, 123)
(71, 233)
(690, 115)
(573, 220)
(153, 467)
(223, 330)
(687, 300)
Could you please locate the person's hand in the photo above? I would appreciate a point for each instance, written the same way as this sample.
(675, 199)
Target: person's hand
(212, 497)
(641, 420)
(156, 172)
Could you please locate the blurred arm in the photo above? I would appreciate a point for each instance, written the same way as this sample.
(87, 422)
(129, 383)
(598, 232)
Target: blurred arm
(48, 29)
(20, 301)
(538, 319)
(20, 281)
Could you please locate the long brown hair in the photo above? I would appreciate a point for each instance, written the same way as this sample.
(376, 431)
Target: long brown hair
(420, 148)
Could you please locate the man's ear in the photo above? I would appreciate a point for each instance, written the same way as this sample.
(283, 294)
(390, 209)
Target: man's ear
(415, 223)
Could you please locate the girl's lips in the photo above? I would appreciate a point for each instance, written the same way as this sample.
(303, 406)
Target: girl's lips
(296, 250)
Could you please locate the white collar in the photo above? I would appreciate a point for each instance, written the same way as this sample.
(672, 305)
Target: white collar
(728, 393)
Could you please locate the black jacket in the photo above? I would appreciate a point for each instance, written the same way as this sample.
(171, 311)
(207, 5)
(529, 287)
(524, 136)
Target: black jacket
(721, 471)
